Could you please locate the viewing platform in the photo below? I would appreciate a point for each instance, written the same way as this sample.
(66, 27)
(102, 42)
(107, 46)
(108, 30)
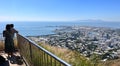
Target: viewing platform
(15, 60)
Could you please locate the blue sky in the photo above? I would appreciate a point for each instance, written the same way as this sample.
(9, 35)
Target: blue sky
(59, 10)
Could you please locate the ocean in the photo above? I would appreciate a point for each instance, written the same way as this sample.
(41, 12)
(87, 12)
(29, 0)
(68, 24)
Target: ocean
(44, 28)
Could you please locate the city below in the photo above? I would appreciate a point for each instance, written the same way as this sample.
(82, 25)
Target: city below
(86, 40)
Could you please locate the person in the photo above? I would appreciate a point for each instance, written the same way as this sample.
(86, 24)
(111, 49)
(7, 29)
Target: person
(13, 31)
(9, 44)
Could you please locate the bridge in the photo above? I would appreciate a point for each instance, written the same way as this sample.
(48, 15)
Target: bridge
(30, 54)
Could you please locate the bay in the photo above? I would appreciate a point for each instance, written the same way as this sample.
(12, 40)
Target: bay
(45, 28)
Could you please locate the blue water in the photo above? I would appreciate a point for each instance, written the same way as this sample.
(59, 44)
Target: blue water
(41, 28)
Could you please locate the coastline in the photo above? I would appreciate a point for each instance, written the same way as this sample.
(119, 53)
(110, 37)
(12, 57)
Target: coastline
(44, 28)
(86, 40)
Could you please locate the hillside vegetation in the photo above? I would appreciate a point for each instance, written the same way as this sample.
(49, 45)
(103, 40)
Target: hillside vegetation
(75, 59)
(72, 57)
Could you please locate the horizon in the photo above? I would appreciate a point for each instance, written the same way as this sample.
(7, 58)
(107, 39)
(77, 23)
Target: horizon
(59, 10)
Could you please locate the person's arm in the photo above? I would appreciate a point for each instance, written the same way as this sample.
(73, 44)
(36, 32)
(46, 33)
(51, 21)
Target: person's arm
(15, 31)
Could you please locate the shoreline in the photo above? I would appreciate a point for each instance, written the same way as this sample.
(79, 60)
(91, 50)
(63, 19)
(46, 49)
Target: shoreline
(61, 27)
(86, 40)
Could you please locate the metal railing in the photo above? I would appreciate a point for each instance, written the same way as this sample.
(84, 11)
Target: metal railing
(35, 55)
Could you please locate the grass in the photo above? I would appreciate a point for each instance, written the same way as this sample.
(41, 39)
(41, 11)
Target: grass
(75, 59)
(72, 57)
(2, 44)
(111, 63)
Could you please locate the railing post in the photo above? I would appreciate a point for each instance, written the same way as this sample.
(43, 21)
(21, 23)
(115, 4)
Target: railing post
(18, 43)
